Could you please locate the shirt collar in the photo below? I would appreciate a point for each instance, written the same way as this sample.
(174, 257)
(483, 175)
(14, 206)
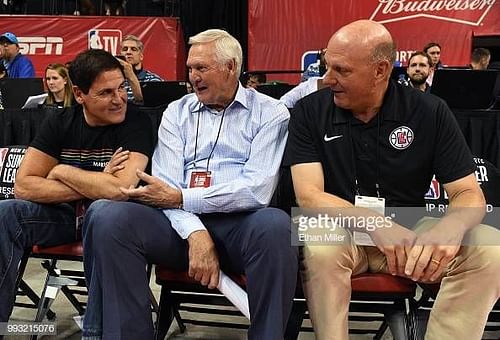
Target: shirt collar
(390, 108)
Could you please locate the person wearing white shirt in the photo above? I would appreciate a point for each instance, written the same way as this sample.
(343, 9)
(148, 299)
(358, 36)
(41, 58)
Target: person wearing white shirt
(311, 85)
(204, 209)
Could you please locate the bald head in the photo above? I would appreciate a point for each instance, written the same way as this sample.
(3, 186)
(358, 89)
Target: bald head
(368, 39)
(359, 60)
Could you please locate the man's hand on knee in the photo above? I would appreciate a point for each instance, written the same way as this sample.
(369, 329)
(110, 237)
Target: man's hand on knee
(432, 252)
(203, 259)
(395, 243)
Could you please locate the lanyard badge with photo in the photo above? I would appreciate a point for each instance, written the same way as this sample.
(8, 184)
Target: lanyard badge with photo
(200, 179)
(203, 179)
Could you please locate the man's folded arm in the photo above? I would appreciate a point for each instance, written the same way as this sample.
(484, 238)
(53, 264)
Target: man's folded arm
(41, 179)
(32, 184)
(95, 185)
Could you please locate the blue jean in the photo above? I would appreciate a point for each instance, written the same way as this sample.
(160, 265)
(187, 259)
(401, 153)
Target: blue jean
(121, 238)
(24, 224)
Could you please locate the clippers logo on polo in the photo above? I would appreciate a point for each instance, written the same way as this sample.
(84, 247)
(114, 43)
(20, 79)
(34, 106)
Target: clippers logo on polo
(401, 137)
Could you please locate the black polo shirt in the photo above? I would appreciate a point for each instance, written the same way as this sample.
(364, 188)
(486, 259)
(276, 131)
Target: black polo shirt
(416, 136)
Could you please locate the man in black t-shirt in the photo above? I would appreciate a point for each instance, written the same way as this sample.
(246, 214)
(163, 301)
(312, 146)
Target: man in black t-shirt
(79, 155)
(366, 143)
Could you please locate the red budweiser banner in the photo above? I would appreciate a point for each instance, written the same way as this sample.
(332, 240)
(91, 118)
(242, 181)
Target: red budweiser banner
(277, 44)
(58, 39)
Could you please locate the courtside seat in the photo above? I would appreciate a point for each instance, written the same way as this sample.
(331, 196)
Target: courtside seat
(70, 282)
(378, 283)
(389, 298)
(173, 277)
(181, 292)
(70, 251)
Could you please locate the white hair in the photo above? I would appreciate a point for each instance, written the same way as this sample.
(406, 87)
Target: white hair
(227, 48)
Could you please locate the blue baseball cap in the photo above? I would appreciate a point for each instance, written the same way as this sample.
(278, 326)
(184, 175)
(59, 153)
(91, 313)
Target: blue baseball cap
(9, 37)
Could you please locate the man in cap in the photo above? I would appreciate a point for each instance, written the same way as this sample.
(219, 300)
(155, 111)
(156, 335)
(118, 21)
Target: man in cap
(18, 65)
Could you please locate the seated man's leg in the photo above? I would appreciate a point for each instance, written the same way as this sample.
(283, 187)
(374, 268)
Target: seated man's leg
(469, 288)
(22, 225)
(120, 239)
(326, 278)
(259, 245)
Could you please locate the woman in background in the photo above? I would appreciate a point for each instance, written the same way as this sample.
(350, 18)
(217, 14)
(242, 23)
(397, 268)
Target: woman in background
(58, 85)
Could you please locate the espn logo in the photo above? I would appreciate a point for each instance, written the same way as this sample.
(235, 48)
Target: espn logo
(41, 45)
(104, 39)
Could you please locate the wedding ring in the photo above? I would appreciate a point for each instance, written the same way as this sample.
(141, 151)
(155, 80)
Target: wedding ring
(436, 261)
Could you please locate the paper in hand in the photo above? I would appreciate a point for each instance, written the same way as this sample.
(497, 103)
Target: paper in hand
(234, 293)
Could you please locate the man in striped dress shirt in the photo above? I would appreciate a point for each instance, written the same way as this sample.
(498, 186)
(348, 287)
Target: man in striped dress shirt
(205, 207)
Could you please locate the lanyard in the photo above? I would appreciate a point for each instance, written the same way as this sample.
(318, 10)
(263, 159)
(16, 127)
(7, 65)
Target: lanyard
(377, 159)
(216, 139)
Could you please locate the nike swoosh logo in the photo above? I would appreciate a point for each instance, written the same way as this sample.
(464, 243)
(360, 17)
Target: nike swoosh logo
(328, 139)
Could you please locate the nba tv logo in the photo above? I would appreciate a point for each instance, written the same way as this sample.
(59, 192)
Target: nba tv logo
(105, 39)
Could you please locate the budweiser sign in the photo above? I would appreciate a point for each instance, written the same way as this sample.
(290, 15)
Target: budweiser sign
(469, 12)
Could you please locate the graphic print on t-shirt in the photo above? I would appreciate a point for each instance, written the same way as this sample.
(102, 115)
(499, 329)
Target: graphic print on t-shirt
(93, 159)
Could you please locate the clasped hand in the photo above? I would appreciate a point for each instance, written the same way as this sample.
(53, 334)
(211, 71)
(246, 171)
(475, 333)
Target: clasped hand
(421, 257)
(155, 193)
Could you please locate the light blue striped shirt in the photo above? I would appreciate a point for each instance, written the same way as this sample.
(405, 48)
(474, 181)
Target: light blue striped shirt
(244, 163)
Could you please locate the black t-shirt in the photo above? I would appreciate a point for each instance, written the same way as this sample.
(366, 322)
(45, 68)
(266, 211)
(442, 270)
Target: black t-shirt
(66, 136)
(413, 136)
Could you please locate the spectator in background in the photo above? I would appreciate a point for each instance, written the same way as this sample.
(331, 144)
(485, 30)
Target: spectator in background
(316, 69)
(132, 50)
(87, 8)
(480, 59)
(433, 49)
(255, 79)
(18, 65)
(59, 86)
(418, 70)
(114, 7)
(311, 85)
